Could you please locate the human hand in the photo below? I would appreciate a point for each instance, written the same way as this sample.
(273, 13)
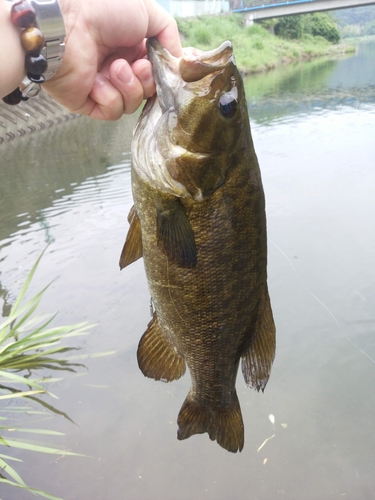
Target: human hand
(104, 73)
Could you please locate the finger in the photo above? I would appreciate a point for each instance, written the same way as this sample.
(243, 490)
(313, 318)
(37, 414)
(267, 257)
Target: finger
(106, 102)
(122, 77)
(170, 39)
(142, 69)
(164, 27)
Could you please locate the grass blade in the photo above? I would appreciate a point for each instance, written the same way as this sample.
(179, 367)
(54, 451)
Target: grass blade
(20, 394)
(37, 447)
(11, 472)
(27, 283)
(41, 493)
(28, 342)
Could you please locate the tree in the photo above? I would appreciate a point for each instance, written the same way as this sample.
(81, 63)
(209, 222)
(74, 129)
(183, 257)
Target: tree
(317, 24)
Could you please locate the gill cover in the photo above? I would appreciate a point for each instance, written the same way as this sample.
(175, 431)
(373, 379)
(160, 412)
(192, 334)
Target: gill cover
(190, 134)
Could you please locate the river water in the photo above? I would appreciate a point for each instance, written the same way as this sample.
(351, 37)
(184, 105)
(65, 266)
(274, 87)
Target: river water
(313, 126)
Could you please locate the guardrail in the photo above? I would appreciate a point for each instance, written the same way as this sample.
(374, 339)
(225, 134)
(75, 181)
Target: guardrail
(289, 8)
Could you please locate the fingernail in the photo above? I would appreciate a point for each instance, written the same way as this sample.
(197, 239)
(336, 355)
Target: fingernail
(125, 74)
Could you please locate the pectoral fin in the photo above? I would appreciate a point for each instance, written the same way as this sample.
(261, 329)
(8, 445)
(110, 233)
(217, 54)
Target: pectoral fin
(157, 356)
(257, 360)
(132, 249)
(175, 235)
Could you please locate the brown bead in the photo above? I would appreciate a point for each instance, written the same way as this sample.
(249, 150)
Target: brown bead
(32, 40)
(23, 14)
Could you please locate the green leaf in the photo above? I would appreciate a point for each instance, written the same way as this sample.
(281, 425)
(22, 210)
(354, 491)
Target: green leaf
(7, 457)
(51, 408)
(27, 283)
(28, 342)
(32, 490)
(11, 472)
(31, 304)
(20, 380)
(40, 431)
(36, 447)
(20, 394)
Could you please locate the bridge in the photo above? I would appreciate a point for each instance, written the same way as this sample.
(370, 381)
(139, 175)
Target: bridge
(293, 7)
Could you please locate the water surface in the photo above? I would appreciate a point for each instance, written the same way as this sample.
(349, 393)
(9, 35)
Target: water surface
(313, 127)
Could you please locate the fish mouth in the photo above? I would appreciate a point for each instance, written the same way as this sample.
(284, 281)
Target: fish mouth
(176, 143)
(170, 73)
(165, 72)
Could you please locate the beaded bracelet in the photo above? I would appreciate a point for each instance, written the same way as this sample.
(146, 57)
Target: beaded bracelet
(23, 15)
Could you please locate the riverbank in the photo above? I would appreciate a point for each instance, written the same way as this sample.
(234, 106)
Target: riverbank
(256, 49)
(355, 41)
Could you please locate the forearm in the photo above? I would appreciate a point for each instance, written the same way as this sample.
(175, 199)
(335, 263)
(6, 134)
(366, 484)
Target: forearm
(12, 56)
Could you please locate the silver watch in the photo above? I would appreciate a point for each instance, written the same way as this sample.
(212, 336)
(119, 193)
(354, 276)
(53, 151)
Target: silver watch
(50, 22)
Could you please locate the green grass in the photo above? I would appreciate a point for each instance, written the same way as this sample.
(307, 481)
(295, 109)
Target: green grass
(255, 48)
(29, 343)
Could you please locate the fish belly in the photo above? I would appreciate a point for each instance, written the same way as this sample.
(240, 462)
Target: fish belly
(206, 316)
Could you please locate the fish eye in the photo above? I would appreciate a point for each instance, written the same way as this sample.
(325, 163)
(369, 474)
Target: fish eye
(228, 105)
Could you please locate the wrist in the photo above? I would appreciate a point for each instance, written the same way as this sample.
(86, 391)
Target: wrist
(13, 56)
(50, 21)
(42, 37)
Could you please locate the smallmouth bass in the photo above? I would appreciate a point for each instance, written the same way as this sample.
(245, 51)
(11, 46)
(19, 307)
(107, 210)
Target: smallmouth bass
(199, 222)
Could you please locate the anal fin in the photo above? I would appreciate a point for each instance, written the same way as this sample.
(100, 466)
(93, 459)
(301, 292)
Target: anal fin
(221, 423)
(157, 356)
(257, 360)
(175, 235)
(132, 249)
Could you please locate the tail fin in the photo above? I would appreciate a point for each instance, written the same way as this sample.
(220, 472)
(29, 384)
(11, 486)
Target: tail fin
(221, 423)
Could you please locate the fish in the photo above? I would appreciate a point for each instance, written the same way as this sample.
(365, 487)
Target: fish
(199, 223)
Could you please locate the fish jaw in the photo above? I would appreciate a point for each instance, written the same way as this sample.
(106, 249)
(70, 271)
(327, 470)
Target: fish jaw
(183, 142)
(171, 73)
(165, 72)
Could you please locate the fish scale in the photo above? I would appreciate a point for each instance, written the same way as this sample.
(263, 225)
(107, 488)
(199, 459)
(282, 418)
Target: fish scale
(199, 223)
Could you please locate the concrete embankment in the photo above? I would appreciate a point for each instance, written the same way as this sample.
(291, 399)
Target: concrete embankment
(28, 117)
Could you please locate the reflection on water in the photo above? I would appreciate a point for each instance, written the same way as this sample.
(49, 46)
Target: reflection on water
(313, 131)
(69, 172)
(312, 87)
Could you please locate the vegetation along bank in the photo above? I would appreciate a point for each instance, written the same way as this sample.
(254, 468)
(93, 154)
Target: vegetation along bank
(266, 44)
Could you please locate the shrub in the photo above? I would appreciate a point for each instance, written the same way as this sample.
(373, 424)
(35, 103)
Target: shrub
(317, 24)
(202, 35)
(257, 29)
(289, 27)
(258, 45)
